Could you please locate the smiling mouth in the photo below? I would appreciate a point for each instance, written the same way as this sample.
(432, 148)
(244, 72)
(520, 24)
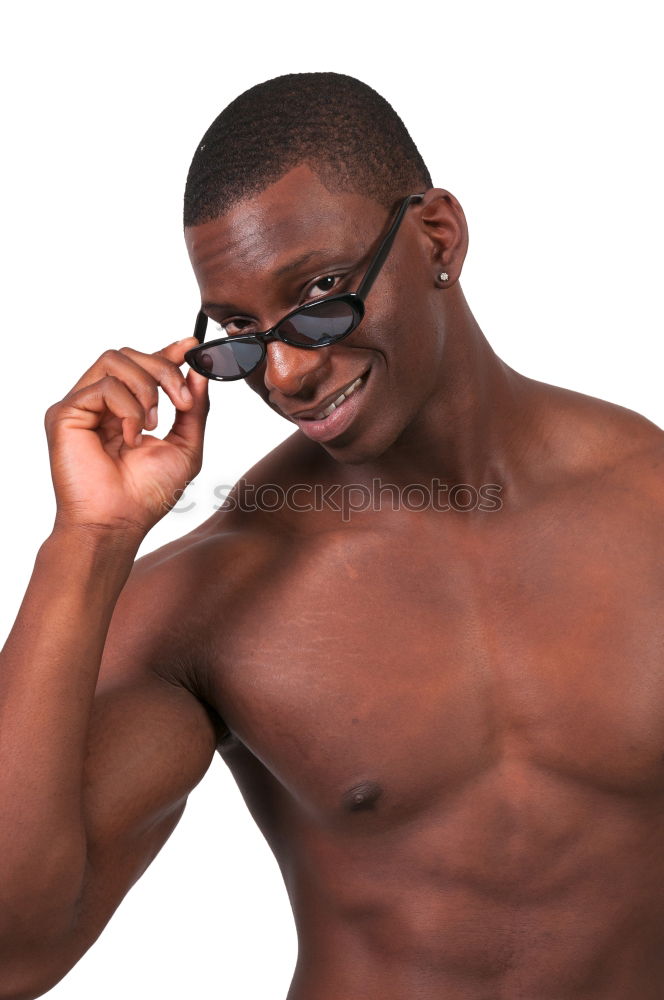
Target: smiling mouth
(348, 391)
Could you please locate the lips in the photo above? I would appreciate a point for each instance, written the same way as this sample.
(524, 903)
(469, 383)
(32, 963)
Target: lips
(325, 412)
(334, 399)
(339, 419)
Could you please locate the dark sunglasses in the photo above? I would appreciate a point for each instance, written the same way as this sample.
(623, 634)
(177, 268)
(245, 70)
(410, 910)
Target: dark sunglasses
(316, 324)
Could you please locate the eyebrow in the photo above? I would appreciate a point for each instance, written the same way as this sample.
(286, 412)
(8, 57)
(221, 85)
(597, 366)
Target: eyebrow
(299, 262)
(292, 265)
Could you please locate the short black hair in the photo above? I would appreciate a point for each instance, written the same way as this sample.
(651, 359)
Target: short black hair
(348, 134)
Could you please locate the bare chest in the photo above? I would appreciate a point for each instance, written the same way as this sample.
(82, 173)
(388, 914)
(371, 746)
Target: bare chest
(415, 666)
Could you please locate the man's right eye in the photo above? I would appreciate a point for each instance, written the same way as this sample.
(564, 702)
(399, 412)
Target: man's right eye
(232, 327)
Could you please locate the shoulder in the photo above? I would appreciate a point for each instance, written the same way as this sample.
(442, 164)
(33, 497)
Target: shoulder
(180, 594)
(206, 564)
(591, 439)
(603, 473)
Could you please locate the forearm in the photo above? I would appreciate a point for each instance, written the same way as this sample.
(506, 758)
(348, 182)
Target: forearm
(48, 673)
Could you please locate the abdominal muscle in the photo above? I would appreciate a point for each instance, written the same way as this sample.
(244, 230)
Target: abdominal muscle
(524, 886)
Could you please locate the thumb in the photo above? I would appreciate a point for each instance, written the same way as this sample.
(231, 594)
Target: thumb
(189, 425)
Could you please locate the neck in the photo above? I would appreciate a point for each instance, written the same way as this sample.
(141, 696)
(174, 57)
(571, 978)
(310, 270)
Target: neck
(475, 425)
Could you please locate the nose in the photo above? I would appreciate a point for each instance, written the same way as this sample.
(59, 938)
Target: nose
(294, 371)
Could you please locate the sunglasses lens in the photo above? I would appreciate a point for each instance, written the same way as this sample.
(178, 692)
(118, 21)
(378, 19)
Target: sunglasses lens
(229, 360)
(319, 321)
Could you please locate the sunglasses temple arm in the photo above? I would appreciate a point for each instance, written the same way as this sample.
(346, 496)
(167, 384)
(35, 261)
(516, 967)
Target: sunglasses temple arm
(384, 249)
(200, 327)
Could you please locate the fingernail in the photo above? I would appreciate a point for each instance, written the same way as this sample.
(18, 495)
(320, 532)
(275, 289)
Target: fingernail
(186, 395)
(152, 417)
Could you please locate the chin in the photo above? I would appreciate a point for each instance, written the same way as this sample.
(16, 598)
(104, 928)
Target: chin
(366, 449)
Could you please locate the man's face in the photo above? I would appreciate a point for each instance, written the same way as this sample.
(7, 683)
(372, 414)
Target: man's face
(297, 241)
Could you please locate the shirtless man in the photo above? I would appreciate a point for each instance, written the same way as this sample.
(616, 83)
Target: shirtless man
(447, 719)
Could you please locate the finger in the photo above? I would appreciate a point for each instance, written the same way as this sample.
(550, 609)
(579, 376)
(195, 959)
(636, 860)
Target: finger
(139, 381)
(164, 369)
(164, 366)
(176, 351)
(143, 373)
(189, 425)
(87, 408)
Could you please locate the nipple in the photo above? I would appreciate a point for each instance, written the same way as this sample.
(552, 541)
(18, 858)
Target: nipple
(362, 796)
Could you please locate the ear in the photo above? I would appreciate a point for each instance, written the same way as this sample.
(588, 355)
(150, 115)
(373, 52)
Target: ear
(444, 224)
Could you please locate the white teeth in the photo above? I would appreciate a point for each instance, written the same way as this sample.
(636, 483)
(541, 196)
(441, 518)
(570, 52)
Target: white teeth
(338, 401)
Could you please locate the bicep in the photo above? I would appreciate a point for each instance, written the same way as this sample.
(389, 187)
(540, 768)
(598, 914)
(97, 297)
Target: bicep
(149, 745)
(150, 738)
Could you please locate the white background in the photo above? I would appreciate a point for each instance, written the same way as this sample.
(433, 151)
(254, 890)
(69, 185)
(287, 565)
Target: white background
(544, 119)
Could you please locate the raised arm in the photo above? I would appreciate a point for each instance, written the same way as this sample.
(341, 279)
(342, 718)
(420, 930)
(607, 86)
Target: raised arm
(95, 768)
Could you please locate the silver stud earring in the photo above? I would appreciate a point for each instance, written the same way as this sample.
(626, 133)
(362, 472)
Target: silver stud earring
(443, 276)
